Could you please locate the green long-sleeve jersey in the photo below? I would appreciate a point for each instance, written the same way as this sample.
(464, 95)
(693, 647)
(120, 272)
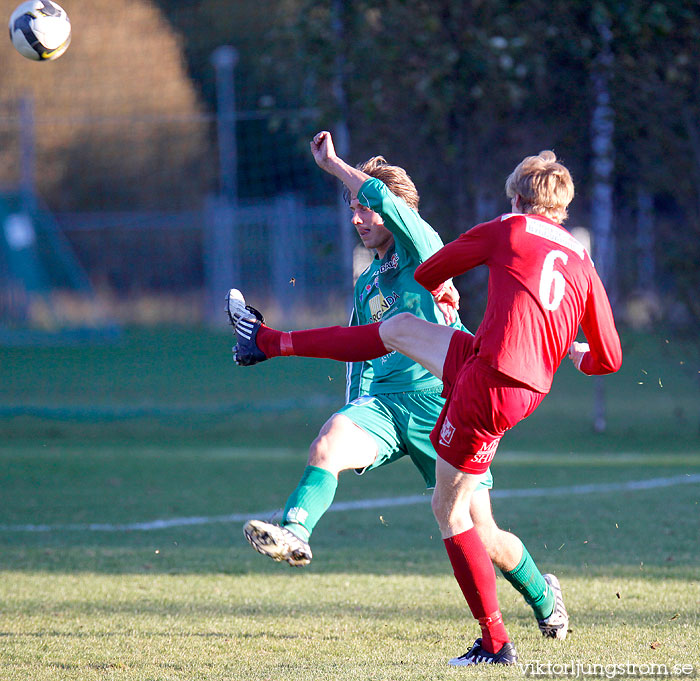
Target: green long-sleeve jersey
(387, 287)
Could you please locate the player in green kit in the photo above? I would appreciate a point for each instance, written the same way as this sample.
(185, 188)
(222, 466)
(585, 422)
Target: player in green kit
(392, 402)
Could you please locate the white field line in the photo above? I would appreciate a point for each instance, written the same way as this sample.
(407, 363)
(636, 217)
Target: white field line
(360, 505)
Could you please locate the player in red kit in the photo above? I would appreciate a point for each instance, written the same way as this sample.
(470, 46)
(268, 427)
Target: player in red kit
(542, 287)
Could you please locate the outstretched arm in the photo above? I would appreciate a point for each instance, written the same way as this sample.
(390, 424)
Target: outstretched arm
(468, 250)
(324, 154)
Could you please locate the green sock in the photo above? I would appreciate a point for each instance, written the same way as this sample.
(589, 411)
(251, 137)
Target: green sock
(528, 580)
(309, 501)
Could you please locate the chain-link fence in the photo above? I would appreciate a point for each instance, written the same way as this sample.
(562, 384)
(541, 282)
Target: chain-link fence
(162, 213)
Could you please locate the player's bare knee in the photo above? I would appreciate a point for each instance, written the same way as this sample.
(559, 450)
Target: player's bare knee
(436, 506)
(341, 446)
(442, 511)
(395, 328)
(488, 533)
(322, 452)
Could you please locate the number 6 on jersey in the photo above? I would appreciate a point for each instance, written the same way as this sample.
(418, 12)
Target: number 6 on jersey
(552, 283)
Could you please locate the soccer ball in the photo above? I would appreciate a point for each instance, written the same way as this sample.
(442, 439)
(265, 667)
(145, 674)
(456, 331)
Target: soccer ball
(40, 30)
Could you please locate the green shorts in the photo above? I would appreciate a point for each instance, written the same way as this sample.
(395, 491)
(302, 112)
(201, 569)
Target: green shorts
(400, 424)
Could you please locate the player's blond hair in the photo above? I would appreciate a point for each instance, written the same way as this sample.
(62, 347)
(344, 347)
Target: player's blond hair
(544, 186)
(395, 178)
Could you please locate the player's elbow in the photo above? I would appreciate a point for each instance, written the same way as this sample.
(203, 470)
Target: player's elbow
(612, 366)
(608, 364)
(614, 359)
(617, 364)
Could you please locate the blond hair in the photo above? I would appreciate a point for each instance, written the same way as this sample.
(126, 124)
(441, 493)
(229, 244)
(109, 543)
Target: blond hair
(395, 178)
(544, 186)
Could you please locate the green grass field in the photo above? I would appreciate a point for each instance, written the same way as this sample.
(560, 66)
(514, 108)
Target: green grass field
(97, 443)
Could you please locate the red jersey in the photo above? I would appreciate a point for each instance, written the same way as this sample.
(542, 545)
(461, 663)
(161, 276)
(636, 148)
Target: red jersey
(542, 286)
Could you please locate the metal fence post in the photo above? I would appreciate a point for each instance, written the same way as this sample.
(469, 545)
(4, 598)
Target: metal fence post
(287, 246)
(602, 128)
(342, 143)
(221, 257)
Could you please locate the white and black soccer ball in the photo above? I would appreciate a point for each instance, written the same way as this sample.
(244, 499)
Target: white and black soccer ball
(40, 30)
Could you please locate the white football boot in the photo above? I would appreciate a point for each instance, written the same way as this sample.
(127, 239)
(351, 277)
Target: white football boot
(246, 322)
(277, 542)
(557, 624)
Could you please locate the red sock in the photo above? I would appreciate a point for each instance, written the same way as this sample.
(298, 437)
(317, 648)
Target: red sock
(474, 573)
(342, 343)
(268, 340)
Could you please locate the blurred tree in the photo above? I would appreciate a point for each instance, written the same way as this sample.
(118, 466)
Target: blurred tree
(458, 92)
(658, 109)
(118, 121)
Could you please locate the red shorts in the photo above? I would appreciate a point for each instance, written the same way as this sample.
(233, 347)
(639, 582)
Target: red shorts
(481, 405)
